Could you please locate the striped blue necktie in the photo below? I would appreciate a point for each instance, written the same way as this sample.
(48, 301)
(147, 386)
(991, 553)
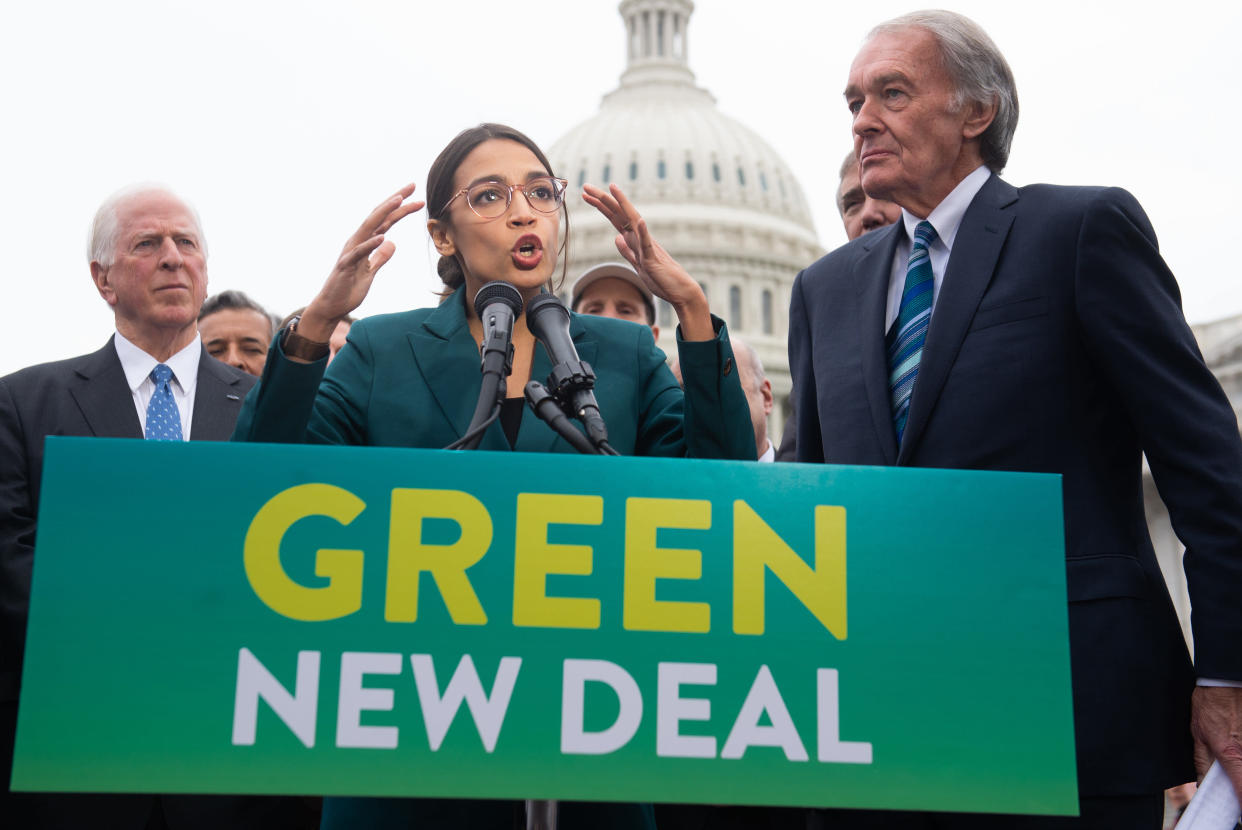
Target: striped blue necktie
(905, 342)
(163, 417)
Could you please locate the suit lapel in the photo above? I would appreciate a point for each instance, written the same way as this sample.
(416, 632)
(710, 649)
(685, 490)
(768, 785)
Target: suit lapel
(102, 394)
(872, 273)
(448, 359)
(217, 401)
(534, 435)
(976, 251)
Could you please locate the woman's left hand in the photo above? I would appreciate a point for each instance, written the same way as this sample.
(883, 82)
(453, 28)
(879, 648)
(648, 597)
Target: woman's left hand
(660, 272)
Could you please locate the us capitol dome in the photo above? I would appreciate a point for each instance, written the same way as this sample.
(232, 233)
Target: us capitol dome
(714, 194)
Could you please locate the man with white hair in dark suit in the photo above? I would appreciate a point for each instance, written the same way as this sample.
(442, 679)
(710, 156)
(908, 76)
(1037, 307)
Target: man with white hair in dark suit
(1034, 329)
(152, 379)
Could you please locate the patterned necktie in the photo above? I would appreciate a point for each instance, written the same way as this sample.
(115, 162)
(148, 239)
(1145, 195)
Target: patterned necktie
(163, 417)
(905, 341)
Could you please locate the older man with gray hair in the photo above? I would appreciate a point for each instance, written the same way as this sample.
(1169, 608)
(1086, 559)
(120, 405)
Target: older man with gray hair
(1034, 329)
(153, 380)
(861, 213)
(758, 391)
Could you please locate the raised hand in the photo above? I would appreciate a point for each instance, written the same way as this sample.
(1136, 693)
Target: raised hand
(661, 273)
(363, 255)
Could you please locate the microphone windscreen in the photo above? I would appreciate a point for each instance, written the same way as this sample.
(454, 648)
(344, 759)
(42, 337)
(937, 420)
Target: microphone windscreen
(498, 291)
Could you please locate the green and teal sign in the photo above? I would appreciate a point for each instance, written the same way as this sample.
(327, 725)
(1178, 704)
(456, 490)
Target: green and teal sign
(243, 618)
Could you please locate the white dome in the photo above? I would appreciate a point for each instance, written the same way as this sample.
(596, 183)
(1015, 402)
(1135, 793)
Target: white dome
(662, 139)
(713, 192)
(668, 143)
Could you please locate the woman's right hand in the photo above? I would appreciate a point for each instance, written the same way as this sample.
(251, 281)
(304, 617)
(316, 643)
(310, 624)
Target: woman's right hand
(363, 255)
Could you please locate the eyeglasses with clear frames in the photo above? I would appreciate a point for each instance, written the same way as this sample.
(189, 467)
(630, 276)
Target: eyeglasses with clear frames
(490, 200)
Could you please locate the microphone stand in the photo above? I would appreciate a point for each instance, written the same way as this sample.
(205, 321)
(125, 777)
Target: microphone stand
(563, 397)
(545, 405)
(497, 365)
(541, 814)
(491, 394)
(568, 393)
(497, 304)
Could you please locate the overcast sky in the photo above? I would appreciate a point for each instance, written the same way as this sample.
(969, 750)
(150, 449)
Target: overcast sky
(285, 123)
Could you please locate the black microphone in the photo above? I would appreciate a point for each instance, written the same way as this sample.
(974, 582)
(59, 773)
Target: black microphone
(497, 305)
(572, 379)
(549, 411)
(548, 319)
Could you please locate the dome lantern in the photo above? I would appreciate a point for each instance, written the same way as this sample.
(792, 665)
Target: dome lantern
(656, 41)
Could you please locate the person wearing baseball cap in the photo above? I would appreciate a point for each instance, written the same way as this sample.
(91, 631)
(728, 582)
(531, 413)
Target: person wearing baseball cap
(615, 290)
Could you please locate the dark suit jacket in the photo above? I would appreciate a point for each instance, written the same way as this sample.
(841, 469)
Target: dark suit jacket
(89, 396)
(1057, 345)
(411, 379)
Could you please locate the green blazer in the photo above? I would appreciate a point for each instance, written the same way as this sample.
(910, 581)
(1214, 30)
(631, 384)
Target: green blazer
(411, 379)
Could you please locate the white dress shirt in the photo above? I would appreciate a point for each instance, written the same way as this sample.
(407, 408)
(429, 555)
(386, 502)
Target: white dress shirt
(946, 218)
(137, 365)
(769, 455)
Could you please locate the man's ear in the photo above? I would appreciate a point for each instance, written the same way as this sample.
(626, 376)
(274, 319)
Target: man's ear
(441, 237)
(768, 400)
(655, 331)
(99, 275)
(979, 117)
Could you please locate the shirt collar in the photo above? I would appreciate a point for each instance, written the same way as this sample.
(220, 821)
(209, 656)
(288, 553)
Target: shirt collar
(137, 364)
(769, 455)
(946, 218)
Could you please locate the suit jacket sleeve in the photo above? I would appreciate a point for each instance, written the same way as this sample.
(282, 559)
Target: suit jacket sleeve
(278, 408)
(1131, 320)
(707, 418)
(294, 403)
(805, 428)
(17, 532)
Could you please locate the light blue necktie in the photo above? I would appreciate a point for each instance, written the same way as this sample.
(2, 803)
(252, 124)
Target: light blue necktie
(905, 342)
(163, 417)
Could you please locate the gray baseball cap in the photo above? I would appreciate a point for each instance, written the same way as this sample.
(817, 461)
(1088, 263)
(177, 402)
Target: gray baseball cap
(614, 270)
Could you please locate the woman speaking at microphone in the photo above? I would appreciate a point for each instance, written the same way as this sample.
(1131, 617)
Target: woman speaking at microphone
(411, 379)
